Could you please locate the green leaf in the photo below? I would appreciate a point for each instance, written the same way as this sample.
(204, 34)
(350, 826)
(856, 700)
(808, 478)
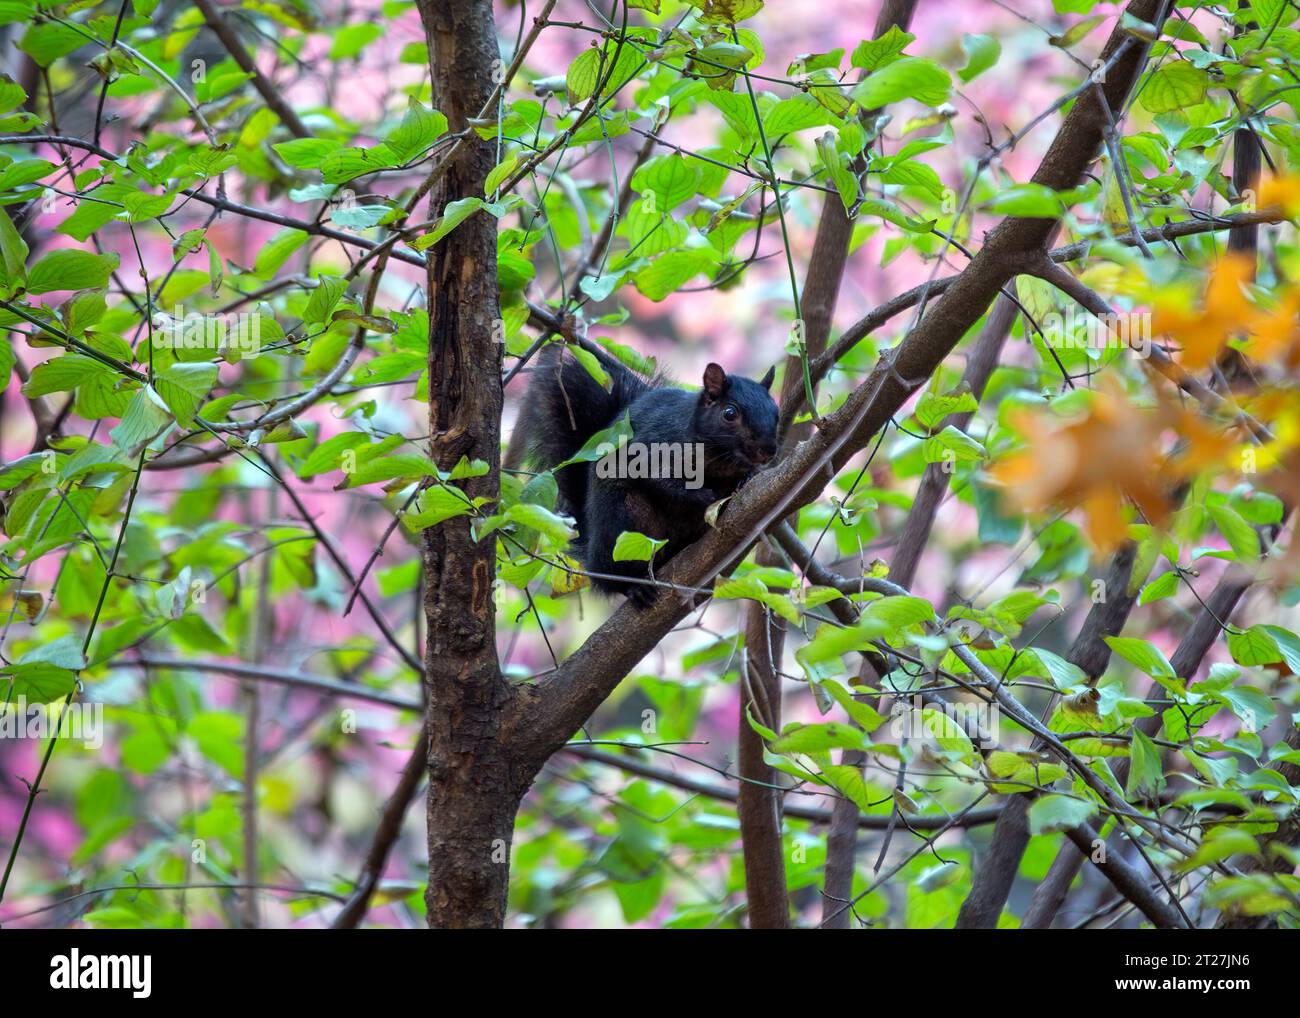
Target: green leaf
(328, 455)
(933, 407)
(1052, 813)
(996, 524)
(306, 153)
(275, 252)
(1175, 85)
(1143, 654)
(346, 163)
(583, 75)
(329, 289)
(718, 63)
(467, 467)
(1146, 777)
(738, 112)
(350, 40)
(826, 91)
(61, 374)
(407, 467)
(13, 254)
(1220, 843)
(830, 643)
(184, 387)
(1258, 507)
(952, 445)
(982, 52)
(669, 271)
(38, 681)
(1076, 32)
(1030, 200)
(891, 213)
(591, 363)
(863, 714)
(360, 217)
(1254, 646)
(873, 54)
(219, 737)
(420, 128)
(7, 361)
(499, 174)
(1164, 585)
(634, 547)
(1251, 705)
(1021, 771)
(727, 12)
(1240, 535)
(453, 215)
(24, 171)
(838, 166)
(64, 652)
(908, 78)
(806, 63)
(898, 611)
(949, 735)
(601, 442)
(146, 417)
(848, 781)
(71, 269)
(435, 505)
(667, 181)
(142, 206)
(1288, 645)
(49, 40)
(1057, 670)
(11, 94)
(541, 519)
(818, 738)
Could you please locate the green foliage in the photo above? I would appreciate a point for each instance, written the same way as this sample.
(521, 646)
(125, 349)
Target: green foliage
(177, 505)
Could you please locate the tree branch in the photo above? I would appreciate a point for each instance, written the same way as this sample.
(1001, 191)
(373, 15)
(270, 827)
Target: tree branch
(270, 95)
(566, 698)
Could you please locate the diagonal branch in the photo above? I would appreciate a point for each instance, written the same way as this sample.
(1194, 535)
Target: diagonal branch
(275, 102)
(560, 703)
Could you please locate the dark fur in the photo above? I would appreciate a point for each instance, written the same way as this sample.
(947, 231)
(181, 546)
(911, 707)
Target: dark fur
(565, 406)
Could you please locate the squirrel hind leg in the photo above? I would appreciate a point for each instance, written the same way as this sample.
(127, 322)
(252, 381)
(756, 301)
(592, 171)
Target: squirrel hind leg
(641, 595)
(608, 514)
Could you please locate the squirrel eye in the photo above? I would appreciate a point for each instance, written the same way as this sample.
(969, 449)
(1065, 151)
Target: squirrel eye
(729, 412)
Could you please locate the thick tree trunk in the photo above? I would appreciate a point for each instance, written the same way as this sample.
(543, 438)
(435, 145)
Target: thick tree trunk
(473, 791)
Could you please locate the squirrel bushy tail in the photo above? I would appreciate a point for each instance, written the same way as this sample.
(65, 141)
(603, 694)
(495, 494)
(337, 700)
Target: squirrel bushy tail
(565, 406)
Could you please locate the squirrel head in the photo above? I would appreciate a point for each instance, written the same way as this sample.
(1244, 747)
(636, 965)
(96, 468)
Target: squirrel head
(736, 420)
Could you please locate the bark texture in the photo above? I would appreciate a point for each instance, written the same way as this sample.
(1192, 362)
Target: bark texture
(474, 787)
(758, 802)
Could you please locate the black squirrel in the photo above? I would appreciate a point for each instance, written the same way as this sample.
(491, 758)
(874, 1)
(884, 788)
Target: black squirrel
(721, 434)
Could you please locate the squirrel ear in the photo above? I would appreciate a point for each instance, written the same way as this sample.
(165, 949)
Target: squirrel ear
(766, 380)
(715, 381)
